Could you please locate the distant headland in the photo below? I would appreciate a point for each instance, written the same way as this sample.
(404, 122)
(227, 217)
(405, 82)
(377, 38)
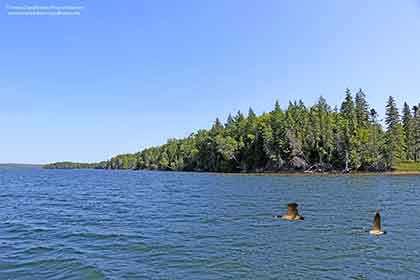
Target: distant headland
(20, 165)
(299, 139)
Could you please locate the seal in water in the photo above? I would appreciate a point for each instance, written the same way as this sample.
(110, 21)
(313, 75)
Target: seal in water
(292, 213)
(376, 228)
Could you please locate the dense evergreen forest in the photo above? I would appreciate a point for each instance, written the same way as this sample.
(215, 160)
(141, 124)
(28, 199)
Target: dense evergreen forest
(318, 138)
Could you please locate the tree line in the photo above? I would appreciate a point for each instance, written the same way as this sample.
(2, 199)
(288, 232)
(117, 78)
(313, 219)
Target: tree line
(75, 165)
(297, 138)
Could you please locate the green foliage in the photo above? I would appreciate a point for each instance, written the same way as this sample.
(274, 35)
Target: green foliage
(361, 109)
(395, 143)
(73, 165)
(407, 166)
(295, 139)
(125, 161)
(409, 127)
(416, 133)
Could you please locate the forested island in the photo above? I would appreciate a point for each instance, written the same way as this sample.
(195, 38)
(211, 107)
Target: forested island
(317, 138)
(75, 165)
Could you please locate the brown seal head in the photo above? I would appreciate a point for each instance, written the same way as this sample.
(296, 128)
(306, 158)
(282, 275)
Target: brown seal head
(376, 227)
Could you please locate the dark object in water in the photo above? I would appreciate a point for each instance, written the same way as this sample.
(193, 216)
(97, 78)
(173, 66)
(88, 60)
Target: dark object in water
(376, 227)
(292, 213)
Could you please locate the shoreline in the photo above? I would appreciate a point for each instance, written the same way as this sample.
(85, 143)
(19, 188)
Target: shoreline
(332, 174)
(303, 174)
(282, 173)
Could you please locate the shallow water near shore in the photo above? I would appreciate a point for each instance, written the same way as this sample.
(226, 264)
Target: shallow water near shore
(100, 224)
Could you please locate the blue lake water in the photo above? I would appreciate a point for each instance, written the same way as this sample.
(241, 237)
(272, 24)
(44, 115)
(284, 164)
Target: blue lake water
(98, 224)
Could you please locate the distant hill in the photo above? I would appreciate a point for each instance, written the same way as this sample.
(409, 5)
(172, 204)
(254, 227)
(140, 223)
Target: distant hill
(20, 165)
(74, 165)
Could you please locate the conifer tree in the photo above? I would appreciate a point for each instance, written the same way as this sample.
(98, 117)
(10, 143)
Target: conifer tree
(278, 126)
(347, 124)
(394, 134)
(361, 109)
(416, 118)
(409, 131)
(229, 121)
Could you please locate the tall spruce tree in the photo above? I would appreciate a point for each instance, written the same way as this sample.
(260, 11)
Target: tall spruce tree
(229, 121)
(375, 143)
(348, 127)
(280, 145)
(394, 134)
(361, 109)
(249, 161)
(416, 118)
(409, 131)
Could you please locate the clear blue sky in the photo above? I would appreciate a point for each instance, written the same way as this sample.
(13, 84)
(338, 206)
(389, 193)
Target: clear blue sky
(130, 74)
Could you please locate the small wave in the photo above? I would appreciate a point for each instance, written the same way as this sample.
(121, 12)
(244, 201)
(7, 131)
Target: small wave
(33, 251)
(94, 236)
(139, 247)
